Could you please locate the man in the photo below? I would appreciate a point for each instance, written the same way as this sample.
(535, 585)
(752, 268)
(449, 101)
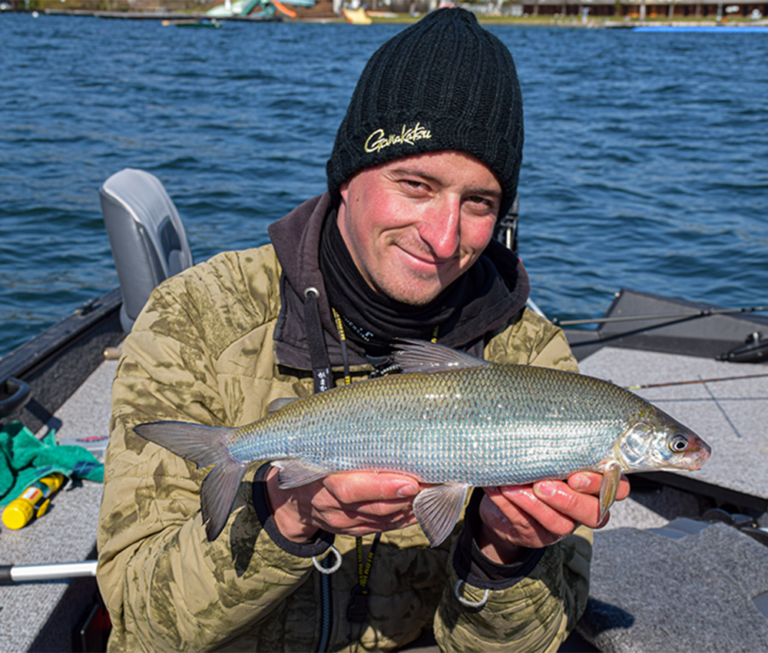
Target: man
(425, 161)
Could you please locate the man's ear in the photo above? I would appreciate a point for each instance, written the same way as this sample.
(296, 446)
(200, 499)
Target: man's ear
(344, 191)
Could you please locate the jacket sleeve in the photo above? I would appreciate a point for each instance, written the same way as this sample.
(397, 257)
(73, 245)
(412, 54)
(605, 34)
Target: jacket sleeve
(166, 586)
(536, 608)
(535, 614)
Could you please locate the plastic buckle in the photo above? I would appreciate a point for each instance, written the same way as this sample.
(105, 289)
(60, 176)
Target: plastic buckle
(357, 610)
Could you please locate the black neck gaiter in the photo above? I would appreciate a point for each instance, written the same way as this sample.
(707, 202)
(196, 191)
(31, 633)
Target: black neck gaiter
(371, 320)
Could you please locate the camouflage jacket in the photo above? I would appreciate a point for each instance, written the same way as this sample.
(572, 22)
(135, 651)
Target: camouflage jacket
(202, 351)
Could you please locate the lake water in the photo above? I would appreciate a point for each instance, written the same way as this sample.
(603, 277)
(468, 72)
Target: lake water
(646, 155)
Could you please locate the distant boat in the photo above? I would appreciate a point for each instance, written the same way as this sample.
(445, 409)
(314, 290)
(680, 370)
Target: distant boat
(247, 7)
(357, 16)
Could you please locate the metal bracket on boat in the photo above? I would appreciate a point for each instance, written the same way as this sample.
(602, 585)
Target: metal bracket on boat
(754, 350)
(14, 394)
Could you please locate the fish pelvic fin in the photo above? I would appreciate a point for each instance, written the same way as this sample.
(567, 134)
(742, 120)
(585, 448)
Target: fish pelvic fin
(295, 472)
(438, 508)
(204, 446)
(609, 487)
(424, 356)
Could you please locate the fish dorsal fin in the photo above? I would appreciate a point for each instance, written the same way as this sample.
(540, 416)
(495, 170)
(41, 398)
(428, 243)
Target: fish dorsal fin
(295, 472)
(282, 402)
(424, 356)
(438, 508)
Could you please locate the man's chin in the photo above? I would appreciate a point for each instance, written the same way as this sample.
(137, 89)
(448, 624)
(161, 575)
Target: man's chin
(412, 294)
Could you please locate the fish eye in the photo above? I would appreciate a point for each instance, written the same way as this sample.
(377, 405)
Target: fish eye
(678, 443)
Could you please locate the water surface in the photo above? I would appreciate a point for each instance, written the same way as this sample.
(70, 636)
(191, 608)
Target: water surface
(644, 166)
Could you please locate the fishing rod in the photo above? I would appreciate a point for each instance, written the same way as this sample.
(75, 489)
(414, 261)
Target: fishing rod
(24, 573)
(672, 316)
(725, 378)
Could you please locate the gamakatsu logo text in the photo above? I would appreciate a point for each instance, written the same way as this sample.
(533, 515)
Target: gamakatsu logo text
(377, 141)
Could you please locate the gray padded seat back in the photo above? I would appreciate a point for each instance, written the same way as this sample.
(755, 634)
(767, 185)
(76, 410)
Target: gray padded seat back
(146, 235)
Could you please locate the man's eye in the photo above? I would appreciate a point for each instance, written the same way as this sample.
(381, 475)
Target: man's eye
(481, 201)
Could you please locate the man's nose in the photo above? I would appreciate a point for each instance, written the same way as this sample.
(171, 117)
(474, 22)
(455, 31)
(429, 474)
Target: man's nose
(440, 228)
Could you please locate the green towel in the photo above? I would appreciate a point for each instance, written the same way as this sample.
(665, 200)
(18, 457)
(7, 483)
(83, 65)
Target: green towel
(26, 459)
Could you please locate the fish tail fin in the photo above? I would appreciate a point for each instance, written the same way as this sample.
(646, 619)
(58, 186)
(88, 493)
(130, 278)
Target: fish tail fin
(217, 496)
(204, 446)
(201, 444)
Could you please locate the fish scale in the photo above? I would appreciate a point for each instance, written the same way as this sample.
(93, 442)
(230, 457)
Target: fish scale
(450, 426)
(450, 420)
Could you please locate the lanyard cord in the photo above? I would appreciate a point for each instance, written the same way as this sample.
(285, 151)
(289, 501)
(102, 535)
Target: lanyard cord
(344, 350)
(364, 574)
(357, 610)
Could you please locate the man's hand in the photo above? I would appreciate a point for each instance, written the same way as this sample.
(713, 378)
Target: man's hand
(352, 503)
(538, 515)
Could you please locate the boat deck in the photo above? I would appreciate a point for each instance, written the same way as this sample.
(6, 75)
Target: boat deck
(661, 583)
(39, 616)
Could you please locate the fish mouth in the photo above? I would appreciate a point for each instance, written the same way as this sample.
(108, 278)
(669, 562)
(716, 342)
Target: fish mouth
(696, 456)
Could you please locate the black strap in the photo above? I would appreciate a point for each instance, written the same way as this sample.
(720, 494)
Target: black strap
(321, 364)
(323, 380)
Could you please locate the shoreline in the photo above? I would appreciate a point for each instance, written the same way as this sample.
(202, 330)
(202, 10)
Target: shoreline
(572, 22)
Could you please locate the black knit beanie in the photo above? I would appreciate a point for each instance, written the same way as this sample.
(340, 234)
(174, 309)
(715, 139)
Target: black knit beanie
(444, 83)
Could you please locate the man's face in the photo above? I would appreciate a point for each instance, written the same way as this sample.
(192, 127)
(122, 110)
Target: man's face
(415, 225)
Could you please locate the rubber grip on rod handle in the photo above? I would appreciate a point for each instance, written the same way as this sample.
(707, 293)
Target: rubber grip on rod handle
(5, 575)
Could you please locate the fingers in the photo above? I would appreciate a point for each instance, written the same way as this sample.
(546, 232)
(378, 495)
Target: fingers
(580, 505)
(352, 488)
(528, 512)
(501, 514)
(351, 503)
(542, 513)
(559, 498)
(589, 483)
(358, 503)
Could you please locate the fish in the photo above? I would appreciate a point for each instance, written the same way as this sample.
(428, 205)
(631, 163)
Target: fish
(450, 419)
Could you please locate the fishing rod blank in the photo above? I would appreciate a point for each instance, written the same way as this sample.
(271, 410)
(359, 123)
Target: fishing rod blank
(26, 573)
(671, 383)
(672, 316)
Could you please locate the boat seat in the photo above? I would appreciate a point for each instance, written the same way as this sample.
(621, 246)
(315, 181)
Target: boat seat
(146, 234)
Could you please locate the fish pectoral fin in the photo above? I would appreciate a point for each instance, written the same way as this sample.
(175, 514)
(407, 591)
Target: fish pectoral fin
(424, 356)
(609, 487)
(282, 402)
(438, 508)
(295, 472)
